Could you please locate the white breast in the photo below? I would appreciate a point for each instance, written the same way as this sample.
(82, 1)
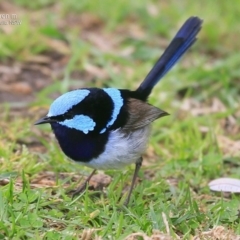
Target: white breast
(121, 150)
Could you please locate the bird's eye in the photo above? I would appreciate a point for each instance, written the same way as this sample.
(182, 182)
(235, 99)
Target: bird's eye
(58, 118)
(61, 118)
(69, 115)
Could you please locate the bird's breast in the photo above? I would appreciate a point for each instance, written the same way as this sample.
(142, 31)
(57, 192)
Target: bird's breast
(77, 145)
(121, 149)
(110, 150)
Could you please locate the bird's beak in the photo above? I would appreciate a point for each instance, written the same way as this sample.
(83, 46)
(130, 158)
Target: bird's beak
(44, 120)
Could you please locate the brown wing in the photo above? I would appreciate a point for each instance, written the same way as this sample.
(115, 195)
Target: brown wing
(141, 114)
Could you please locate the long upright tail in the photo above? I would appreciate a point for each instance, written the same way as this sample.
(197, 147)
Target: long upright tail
(183, 40)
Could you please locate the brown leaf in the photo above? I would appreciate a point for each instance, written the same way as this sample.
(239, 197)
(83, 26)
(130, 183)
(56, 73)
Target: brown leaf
(58, 46)
(217, 233)
(15, 69)
(38, 67)
(153, 10)
(21, 88)
(156, 235)
(196, 108)
(99, 181)
(103, 42)
(229, 146)
(84, 21)
(42, 59)
(96, 71)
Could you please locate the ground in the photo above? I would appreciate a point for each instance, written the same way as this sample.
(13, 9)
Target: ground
(47, 48)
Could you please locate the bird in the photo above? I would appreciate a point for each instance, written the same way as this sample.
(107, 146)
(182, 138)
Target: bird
(109, 128)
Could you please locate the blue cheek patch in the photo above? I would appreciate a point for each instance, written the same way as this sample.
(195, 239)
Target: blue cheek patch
(80, 122)
(117, 99)
(65, 102)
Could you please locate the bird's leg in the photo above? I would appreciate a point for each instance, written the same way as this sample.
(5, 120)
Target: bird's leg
(84, 185)
(137, 168)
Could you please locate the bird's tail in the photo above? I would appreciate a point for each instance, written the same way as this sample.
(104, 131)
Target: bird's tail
(183, 40)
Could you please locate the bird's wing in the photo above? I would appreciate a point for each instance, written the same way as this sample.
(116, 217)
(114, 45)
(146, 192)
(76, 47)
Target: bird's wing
(141, 114)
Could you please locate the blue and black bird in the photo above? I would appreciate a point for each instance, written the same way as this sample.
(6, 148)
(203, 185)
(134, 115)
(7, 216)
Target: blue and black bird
(109, 128)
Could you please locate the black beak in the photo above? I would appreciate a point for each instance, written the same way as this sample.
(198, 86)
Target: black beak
(44, 120)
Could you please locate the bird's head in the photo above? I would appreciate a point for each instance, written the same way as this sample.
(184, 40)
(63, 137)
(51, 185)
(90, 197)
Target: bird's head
(85, 110)
(63, 111)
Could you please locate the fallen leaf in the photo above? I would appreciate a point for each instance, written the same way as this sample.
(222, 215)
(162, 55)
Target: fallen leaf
(21, 88)
(96, 71)
(217, 233)
(99, 181)
(42, 59)
(231, 185)
(58, 46)
(196, 108)
(103, 42)
(228, 146)
(156, 235)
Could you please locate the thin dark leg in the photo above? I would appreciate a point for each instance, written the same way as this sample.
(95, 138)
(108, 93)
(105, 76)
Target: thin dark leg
(84, 185)
(137, 168)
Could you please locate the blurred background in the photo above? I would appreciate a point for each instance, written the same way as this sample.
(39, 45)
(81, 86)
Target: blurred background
(48, 47)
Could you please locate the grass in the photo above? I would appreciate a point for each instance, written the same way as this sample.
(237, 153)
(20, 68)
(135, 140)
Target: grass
(122, 41)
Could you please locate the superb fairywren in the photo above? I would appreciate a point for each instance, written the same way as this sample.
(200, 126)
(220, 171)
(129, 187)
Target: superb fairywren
(109, 128)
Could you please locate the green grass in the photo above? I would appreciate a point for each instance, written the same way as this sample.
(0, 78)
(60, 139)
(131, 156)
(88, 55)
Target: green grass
(182, 158)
